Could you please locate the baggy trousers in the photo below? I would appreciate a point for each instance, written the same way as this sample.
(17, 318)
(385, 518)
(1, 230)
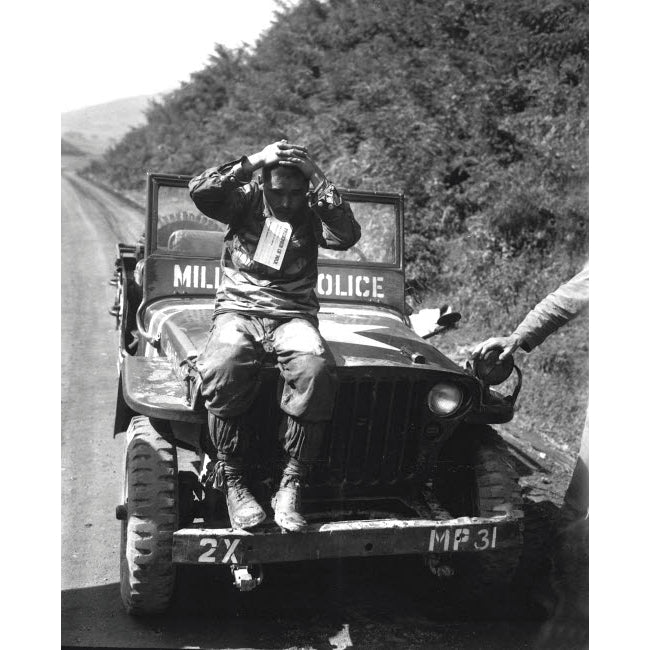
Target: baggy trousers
(229, 367)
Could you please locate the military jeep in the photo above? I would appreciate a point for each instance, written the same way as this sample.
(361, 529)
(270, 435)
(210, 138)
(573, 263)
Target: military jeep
(409, 465)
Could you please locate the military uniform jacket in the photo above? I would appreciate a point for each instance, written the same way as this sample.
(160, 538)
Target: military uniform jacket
(225, 194)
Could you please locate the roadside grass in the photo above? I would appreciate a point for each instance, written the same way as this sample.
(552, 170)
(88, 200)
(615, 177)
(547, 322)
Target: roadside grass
(554, 395)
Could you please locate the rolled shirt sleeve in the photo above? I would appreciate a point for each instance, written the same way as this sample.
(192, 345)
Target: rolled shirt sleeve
(222, 193)
(557, 309)
(230, 195)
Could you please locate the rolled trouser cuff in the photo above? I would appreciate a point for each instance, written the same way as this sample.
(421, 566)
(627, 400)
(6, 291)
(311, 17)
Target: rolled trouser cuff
(303, 440)
(229, 437)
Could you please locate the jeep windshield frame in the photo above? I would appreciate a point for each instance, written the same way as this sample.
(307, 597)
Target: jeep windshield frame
(380, 214)
(183, 254)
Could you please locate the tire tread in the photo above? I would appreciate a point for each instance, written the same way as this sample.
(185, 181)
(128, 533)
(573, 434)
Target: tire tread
(147, 573)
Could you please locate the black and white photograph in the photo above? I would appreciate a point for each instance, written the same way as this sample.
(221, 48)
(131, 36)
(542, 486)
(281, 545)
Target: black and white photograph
(325, 329)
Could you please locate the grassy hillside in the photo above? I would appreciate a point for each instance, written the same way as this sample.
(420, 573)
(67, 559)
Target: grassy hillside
(94, 129)
(476, 110)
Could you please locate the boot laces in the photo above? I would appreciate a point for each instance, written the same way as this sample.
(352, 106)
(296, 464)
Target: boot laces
(290, 487)
(238, 489)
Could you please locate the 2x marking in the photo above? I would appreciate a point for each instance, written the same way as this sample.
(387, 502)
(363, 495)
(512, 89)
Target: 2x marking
(209, 554)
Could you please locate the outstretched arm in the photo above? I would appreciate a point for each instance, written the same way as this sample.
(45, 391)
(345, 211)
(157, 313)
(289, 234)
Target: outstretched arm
(557, 309)
(507, 344)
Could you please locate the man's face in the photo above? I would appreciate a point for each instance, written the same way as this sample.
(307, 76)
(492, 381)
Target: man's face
(285, 192)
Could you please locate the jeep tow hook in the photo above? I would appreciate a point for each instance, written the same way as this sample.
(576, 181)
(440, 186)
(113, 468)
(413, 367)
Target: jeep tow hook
(437, 567)
(244, 579)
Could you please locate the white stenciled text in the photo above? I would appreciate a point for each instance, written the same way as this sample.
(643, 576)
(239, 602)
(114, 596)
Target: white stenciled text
(336, 285)
(354, 286)
(230, 546)
(462, 539)
(196, 276)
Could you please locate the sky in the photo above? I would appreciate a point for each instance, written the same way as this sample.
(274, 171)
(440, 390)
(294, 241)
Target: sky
(123, 48)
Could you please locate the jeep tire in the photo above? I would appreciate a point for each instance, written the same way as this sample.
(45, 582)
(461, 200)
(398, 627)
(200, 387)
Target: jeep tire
(147, 575)
(479, 479)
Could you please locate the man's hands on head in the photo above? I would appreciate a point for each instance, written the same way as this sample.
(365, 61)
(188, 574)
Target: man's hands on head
(507, 344)
(287, 154)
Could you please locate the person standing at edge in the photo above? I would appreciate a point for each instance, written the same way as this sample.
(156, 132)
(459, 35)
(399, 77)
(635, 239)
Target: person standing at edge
(557, 309)
(554, 311)
(266, 303)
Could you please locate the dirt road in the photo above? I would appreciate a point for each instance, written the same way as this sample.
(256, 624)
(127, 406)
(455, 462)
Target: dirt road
(359, 604)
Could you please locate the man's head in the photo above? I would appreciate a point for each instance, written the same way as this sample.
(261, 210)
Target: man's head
(285, 190)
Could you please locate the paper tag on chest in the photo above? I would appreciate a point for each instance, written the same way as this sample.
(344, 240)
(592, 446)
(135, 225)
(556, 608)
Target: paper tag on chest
(273, 242)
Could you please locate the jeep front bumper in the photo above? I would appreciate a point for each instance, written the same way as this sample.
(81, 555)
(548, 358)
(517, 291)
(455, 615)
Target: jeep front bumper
(361, 538)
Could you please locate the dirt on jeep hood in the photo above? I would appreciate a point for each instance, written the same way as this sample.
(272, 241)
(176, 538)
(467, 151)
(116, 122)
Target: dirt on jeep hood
(357, 337)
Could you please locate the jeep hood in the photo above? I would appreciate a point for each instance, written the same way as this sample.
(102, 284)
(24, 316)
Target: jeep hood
(361, 337)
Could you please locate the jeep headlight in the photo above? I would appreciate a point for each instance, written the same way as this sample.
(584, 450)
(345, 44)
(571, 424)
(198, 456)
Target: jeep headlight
(444, 399)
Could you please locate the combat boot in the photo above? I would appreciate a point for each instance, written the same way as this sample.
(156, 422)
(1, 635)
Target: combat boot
(243, 509)
(286, 502)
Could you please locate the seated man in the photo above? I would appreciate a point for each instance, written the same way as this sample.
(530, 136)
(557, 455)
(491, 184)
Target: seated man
(267, 303)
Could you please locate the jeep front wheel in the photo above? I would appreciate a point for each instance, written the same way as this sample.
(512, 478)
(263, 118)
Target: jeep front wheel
(476, 477)
(150, 517)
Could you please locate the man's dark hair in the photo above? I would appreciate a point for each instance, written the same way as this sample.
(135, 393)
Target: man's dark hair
(266, 172)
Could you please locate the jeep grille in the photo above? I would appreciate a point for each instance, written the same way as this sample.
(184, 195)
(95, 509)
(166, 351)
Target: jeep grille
(373, 441)
(375, 433)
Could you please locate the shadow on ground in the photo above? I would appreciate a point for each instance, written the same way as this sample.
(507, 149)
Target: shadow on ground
(369, 603)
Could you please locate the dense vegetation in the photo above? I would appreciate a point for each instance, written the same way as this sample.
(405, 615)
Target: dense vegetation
(475, 109)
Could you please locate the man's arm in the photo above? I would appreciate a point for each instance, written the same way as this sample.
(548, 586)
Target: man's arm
(222, 193)
(557, 309)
